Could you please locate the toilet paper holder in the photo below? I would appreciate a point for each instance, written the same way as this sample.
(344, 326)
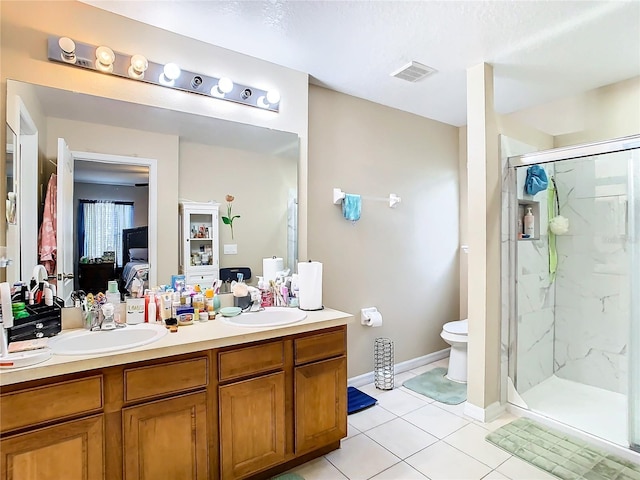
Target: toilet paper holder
(365, 314)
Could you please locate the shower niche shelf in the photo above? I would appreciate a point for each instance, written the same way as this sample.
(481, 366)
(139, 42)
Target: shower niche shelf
(522, 210)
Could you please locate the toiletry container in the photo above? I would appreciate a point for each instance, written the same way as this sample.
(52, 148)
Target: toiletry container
(529, 220)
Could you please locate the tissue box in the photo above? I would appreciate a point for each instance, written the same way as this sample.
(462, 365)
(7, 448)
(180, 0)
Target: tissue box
(135, 310)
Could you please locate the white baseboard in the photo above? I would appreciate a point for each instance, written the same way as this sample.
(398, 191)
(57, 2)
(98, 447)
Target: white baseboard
(365, 378)
(484, 415)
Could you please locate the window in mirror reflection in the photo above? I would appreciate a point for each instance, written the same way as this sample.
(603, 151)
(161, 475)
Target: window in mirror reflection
(100, 226)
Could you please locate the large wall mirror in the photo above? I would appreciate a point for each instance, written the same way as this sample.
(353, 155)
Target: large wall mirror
(196, 158)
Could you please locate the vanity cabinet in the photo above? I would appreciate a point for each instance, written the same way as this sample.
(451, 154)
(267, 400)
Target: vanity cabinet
(72, 451)
(252, 408)
(199, 255)
(252, 424)
(166, 439)
(320, 390)
(244, 411)
(166, 436)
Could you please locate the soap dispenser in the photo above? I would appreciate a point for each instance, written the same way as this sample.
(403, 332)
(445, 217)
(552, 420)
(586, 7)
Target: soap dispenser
(529, 227)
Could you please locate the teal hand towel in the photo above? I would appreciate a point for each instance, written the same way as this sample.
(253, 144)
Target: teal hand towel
(351, 207)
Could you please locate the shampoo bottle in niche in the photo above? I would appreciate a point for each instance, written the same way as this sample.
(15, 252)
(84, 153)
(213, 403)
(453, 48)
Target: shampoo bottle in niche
(529, 219)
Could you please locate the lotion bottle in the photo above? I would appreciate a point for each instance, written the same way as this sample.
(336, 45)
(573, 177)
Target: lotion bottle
(529, 219)
(151, 309)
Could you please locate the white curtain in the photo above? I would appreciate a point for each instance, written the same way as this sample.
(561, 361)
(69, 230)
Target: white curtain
(103, 225)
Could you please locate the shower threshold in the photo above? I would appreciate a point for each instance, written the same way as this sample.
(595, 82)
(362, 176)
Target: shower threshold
(593, 410)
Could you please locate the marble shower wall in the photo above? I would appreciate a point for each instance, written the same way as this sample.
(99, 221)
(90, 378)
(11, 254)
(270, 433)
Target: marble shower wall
(592, 285)
(535, 296)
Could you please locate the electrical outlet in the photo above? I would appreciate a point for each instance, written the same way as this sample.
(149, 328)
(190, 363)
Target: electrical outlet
(231, 249)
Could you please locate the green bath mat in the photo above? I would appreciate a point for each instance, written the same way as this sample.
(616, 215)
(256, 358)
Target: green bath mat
(288, 476)
(561, 455)
(433, 384)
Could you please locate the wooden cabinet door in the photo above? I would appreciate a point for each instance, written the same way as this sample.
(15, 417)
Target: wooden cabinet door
(70, 451)
(252, 425)
(321, 403)
(166, 439)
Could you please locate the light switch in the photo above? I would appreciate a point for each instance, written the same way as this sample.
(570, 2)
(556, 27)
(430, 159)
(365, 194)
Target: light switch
(231, 249)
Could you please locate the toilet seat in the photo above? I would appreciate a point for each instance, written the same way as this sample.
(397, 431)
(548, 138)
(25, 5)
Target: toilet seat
(459, 327)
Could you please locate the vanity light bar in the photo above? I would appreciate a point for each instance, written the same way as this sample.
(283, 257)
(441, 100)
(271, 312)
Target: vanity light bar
(136, 67)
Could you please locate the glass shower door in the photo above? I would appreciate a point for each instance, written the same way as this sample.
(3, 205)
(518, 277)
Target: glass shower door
(634, 342)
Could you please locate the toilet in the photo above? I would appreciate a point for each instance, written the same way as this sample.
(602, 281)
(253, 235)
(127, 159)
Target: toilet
(455, 334)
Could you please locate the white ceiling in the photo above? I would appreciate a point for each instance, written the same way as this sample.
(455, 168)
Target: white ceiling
(541, 50)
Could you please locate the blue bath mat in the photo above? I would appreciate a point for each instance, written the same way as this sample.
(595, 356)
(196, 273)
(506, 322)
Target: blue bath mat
(357, 400)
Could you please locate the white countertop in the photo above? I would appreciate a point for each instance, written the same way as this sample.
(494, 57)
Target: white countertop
(193, 338)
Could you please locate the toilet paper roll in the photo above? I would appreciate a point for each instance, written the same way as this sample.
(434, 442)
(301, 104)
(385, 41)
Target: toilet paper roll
(310, 285)
(270, 267)
(374, 319)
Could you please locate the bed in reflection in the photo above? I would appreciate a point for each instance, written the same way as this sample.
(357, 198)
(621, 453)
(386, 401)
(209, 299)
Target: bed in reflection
(135, 254)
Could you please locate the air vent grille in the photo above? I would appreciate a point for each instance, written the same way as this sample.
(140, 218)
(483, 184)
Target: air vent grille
(413, 72)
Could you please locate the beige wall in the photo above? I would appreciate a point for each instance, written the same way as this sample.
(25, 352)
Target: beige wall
(25, 27)
(604, 113)
(405, 260)
(260, 185)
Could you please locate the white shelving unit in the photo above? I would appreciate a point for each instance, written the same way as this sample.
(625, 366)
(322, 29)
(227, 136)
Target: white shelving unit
(199, 246)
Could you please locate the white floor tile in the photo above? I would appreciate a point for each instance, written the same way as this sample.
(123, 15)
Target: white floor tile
(444, 363)
(455, 409)
(441, 461)
(400, 471)
(400, 378)
(435, 421)
(352, 431)
(495, 475)
(471, 440)
(369, 418)
(401, 437)
(399, 402)
(319, 469)
(360, 457)
(370, 389)
(519, 469)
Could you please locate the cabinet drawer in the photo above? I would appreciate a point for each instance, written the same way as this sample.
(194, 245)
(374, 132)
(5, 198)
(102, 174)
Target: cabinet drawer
(156, 380)
(320, 346)
(42, 404)
(250, 360)
(205, 279)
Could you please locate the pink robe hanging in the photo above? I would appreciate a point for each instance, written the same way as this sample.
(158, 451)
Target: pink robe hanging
(47, 240)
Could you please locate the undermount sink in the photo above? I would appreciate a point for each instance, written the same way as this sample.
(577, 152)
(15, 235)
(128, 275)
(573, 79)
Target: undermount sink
(269, 317)
(85, 342)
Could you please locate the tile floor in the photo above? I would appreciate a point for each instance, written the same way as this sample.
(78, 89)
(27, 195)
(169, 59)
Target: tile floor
(408, 436)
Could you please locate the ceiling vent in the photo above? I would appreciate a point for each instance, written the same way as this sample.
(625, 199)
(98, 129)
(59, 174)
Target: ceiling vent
(413, 72)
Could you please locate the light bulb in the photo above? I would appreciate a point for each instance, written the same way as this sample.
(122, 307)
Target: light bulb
(172, 71)
(68, 48)
(261, 102)
(139, 65)
(273, 96)
(104, 59)
(225, 85)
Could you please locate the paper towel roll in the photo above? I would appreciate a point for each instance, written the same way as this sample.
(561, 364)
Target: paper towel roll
(270, 267)
(310, 285)
(374, 319)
